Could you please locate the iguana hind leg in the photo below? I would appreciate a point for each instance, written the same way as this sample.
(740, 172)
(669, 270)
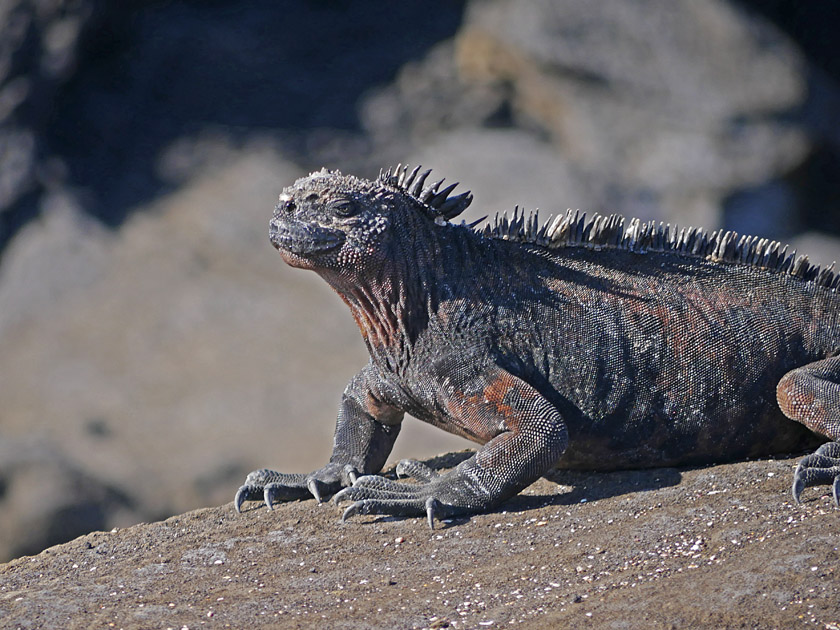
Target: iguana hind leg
(811, 395)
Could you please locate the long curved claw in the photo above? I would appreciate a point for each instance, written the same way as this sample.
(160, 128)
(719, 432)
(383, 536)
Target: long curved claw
(243, 494)
(351, 472)
(312, 486)
(340, 496)
(355, 508)
(432, 506)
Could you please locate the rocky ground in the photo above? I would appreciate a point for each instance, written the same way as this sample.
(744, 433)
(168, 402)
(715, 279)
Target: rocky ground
(154, 348)
(716, 547)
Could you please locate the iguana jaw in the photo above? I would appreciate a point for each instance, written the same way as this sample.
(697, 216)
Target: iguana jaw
(300, 242)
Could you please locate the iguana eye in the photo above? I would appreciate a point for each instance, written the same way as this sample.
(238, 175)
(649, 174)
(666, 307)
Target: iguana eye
(344, 207)
(286, 204)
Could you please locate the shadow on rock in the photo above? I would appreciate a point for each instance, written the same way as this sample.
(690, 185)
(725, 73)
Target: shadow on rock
(45, 500)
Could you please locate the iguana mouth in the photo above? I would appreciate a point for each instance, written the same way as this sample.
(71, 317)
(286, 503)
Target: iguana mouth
(303, 239)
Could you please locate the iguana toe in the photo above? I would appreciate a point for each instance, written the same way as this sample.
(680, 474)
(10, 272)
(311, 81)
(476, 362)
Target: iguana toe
(416, 470)
(270, 486)
(822, 467)
(414, 506)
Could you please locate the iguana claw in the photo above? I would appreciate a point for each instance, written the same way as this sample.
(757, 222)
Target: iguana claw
(312, 486)
(241, 497)
(351, 472)
(271, 486)
(432, 506)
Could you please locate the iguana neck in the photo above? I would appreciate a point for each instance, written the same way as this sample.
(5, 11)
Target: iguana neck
(389, 297)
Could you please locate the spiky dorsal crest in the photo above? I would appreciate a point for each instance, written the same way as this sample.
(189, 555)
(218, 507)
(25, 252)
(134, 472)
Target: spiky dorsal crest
(614, 232)
(611, 232)
(413, 183)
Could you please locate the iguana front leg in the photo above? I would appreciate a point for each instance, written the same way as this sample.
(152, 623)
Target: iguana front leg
(526, 436)
(811, 395)
(364, 436)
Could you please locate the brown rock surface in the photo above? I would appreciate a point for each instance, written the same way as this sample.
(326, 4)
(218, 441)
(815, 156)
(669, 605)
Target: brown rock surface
(665, 548)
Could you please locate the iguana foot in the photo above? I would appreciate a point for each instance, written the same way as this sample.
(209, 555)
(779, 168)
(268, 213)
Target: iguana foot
(822, 467)
(270, 486)
(377, 495)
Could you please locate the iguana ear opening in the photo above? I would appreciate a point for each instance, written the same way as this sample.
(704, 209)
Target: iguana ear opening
(438, 203)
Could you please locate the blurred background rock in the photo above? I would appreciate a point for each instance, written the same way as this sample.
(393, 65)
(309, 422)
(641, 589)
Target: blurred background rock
(153, 346)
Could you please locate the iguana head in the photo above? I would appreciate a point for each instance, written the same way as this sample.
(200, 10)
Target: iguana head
(329, 221)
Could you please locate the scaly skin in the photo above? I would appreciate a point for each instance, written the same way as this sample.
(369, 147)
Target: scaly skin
(578, 345)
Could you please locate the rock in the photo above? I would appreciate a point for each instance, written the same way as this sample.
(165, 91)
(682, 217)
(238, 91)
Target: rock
(47, 500)
(152, 331)
(721, 546)
(62, 255)
(39, 49)
(93, 92)
(661, 110)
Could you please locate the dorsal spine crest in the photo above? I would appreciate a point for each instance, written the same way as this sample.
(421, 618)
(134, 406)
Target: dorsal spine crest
(614, 232)
(609, 231)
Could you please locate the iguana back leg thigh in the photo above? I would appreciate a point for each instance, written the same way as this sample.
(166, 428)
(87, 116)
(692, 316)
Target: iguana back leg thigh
(811, 395)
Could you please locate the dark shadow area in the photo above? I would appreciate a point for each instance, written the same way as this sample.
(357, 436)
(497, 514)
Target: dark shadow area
(147, 73)
(175, 68)
(73, 520)
(813, 25)
(816, 182)
(586, 486)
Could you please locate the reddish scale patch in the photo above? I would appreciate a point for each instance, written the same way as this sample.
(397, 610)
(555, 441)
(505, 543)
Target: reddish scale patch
(484, 416)
(293, 260)
(497, 392)
(386, 414)
(799, 402)
(376, 329)
(466, 418)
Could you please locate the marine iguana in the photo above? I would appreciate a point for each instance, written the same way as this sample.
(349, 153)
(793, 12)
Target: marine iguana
(593, 344)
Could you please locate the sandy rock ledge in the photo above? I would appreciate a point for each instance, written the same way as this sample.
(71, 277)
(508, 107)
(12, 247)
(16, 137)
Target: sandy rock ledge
(720, 546)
